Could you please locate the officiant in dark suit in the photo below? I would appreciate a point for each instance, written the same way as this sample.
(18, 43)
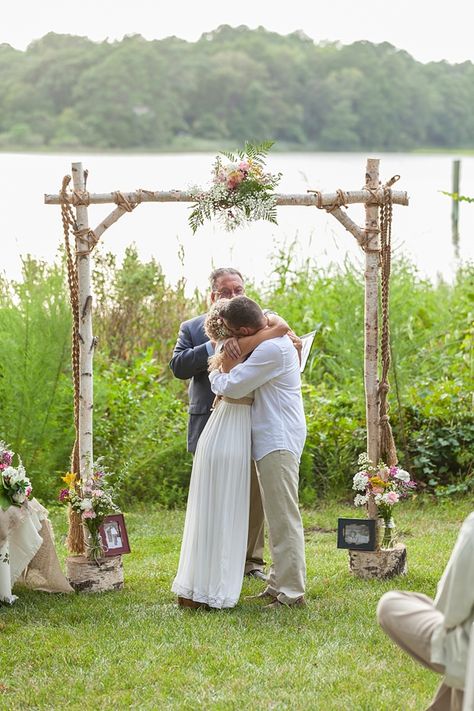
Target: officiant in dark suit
(189, 361)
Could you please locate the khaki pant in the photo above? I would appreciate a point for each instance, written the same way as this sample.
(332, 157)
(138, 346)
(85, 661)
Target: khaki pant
(410, 618)
(278, 474)
(255, 542)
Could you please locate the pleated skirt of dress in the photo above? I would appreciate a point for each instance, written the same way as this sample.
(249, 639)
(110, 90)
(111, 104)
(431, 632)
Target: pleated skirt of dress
(213, 550)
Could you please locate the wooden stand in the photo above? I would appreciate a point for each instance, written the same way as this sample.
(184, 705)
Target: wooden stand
(86, 575)
(381, 564)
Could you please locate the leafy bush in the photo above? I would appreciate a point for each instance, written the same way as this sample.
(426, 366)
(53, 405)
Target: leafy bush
(140, 409)
(141, 431)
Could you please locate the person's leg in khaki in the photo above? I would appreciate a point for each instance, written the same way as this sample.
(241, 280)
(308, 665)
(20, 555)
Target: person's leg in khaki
(278, 473)
(409, 619)
(254, 563)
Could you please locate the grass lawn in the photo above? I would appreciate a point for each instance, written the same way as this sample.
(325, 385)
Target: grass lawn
(135, 649)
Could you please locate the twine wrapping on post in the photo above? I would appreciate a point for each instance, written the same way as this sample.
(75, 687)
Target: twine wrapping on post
(341, 200)
(75, 537)
(387, 449)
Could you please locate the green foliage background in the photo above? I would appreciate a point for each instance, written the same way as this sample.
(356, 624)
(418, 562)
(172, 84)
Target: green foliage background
(231, 85)
(141, 410)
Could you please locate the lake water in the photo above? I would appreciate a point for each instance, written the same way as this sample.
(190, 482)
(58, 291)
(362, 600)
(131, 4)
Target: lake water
(421, 231)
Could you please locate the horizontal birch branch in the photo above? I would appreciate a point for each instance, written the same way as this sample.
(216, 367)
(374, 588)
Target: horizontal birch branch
(399, 197)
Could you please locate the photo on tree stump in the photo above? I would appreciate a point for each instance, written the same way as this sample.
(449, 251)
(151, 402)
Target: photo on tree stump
(113, 533)
(356, 533)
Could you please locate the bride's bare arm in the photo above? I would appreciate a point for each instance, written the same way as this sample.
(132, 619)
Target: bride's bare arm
(276, 326)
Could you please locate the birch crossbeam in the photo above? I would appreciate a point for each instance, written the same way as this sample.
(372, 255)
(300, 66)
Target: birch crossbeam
(399, 197)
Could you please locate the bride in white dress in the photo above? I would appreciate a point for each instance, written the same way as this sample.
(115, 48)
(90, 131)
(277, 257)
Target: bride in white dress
(213, 549)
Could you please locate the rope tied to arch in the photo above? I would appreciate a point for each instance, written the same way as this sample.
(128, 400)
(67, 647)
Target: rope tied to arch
(340, 201)
(387, 447)
(75, 538)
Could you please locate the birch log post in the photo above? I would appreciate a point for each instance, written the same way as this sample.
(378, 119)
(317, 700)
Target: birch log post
(372, 266)
(86, 340)
(380, 563)
(85, 575)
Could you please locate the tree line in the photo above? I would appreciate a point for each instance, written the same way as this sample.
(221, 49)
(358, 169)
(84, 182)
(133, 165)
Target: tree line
(231, 85)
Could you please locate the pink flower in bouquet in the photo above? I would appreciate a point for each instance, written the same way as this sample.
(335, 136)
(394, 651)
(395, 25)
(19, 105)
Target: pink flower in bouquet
(392, 497)
(90, 513)
(7, 458)
(97, 493)
(234, 178)
(244, 166)
(28, 490)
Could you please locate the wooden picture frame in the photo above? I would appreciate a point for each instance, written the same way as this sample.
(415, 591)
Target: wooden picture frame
(113, 534)
(356, 533)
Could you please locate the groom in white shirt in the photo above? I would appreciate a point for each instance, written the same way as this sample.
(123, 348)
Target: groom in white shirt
(278, 437)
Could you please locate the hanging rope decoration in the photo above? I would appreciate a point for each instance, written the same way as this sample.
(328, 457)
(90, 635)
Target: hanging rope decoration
(75, 538)
(387, 449)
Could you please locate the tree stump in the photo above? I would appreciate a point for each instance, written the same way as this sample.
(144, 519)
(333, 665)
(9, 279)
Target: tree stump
(381, 564)
(86, 575)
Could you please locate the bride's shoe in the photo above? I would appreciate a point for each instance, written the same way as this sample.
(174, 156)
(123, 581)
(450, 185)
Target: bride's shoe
(192, 604)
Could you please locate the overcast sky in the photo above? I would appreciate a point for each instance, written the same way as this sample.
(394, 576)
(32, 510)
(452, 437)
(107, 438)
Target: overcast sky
(427, 29)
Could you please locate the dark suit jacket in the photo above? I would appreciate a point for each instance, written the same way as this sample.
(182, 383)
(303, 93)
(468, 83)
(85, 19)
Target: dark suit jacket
(190, 361)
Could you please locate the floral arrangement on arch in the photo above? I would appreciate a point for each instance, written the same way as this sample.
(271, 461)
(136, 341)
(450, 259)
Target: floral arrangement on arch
(92, 499)
(15, 487)
(241, 190)
(388, 485)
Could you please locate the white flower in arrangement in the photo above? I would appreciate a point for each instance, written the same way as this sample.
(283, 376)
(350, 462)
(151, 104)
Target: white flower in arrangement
(402, 475)
(12, 475)
(360, 500)
(360, 481)
(86, 505)
(19, 497)
(378, 498)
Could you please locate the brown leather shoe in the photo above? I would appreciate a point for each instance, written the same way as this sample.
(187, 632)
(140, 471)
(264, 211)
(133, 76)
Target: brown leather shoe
(192, 604)
(277, 605)
(264, 595)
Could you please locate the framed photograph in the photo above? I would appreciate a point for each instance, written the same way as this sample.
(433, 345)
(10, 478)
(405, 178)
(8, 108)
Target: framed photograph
(356, 533)
(113, 533)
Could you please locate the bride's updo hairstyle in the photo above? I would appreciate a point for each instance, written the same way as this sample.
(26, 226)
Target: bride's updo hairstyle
(214, 326)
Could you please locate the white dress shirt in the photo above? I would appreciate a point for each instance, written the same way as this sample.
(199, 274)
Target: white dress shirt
(273, 372)
(455, 599)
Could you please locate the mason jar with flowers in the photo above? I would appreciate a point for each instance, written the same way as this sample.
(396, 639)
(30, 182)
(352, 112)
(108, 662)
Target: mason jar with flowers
(92, 499)
(388, 485)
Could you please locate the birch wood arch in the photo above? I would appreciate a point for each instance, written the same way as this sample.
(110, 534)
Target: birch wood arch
(372, 196)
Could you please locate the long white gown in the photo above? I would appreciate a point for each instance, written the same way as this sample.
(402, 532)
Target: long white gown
(213, 550)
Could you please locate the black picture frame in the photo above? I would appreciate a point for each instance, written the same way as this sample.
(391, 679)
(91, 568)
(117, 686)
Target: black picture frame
(356, 533)
(113, 534)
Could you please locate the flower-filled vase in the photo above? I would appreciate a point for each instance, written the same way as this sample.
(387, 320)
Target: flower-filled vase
(93, 543)
(387, 533)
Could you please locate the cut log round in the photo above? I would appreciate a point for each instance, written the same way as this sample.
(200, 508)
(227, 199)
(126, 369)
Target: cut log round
(381, 564)
(86, 575)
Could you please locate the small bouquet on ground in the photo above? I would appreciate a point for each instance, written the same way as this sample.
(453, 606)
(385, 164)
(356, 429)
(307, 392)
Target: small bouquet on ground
(15, 486)
(388, 486)
(241, 191)
(92, 499)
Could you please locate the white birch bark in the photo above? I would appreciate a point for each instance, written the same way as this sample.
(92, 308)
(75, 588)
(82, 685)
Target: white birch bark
(86, 341)
(372, 265)
(399, 197)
